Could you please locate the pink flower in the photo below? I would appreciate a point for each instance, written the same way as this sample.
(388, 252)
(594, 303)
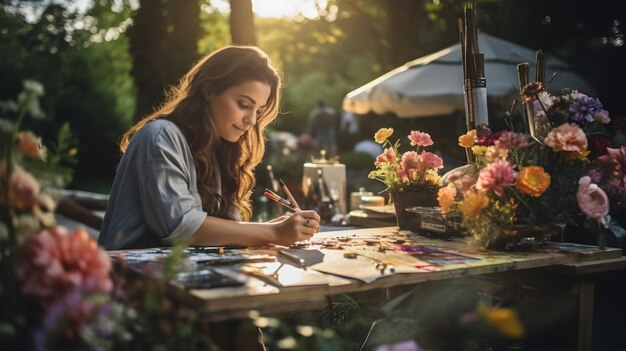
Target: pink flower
(418, 138)
(614, 163)
(512, 140)
(389, 155)
(23, 190)
(410, 160)
(430, 160)
(592, 200)
(567, 137)
(496, 176)
(54, 263)
(405, 175)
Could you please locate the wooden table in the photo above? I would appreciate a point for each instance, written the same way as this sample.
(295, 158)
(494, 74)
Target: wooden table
(578, 261)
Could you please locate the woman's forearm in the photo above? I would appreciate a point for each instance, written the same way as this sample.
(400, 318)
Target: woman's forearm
(284, 230)
(220, 232)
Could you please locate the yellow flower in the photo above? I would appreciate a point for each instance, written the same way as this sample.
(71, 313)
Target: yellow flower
(468, 139)
(504, 320)
(573, 156)
(382, 134)
(445, 196)
(533, 181)
(479, 150)
(432, 177)
(473, 204)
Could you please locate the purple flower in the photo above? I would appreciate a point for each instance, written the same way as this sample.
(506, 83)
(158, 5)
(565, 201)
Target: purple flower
(584, 108)
(595, 175)
(408, 345)
(616, 188)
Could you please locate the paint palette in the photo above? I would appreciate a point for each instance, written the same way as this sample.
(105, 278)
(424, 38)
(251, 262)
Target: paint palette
(195, 269)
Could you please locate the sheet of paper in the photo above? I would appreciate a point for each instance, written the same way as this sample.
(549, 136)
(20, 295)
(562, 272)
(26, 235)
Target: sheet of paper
(286, 275)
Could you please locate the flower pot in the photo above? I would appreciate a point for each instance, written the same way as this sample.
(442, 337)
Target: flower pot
(424, 197)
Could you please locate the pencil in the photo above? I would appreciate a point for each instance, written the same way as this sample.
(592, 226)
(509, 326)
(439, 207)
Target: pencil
(292, 258)
(291, 199)
(270, 195)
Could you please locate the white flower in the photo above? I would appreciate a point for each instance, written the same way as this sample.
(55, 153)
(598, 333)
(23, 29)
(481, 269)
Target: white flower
(8, 106)
(602, 116)
(573, 96)
(33, 87)
(28, 99)
(4, 232)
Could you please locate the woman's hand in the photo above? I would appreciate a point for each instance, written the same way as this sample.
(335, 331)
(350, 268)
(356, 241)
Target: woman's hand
(299, 226)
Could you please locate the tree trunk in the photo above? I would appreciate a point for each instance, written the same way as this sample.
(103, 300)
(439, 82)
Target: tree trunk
(242, 30)
(145, 38)
(163, 45)
(407, 18)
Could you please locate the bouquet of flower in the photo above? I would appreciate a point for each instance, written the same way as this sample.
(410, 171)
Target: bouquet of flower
(406, 171)
(57, 290)
(521, 183)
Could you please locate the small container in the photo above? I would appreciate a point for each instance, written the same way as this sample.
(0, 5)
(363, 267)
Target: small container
(372, 200)
(356, 198)
(430, 221)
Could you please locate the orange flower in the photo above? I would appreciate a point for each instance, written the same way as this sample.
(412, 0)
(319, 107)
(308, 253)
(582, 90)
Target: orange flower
(383, 134)
(473, 204)
(468, 139)
(504, 320)
(533, 181)
(445, 196)
(30, 145)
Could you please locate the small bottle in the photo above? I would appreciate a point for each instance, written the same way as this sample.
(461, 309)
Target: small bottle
(325, 206)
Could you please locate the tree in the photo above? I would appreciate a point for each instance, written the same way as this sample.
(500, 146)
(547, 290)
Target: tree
(242, 22)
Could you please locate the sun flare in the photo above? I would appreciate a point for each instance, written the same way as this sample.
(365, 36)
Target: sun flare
(287, 8)
(279, 8)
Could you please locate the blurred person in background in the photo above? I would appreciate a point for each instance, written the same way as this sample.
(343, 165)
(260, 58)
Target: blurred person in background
(322, 126)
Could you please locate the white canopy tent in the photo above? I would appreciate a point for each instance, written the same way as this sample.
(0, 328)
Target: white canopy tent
(433, 85)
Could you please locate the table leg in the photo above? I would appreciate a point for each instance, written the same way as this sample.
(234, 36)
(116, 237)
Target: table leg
(585, 314)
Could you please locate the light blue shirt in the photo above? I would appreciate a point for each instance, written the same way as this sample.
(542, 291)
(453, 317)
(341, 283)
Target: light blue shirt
(154, 199)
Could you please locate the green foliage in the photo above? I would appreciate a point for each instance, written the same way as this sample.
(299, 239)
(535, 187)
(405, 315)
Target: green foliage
(88, 83)
(357, 161)
(216, 33)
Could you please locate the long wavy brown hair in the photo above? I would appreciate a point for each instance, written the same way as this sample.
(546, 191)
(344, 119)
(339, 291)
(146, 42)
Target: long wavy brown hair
(187, 106)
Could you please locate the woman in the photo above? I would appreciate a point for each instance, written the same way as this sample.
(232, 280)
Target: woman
(187, 168)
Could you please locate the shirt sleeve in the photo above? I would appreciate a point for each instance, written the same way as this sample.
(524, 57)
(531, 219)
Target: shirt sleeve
(170, 208)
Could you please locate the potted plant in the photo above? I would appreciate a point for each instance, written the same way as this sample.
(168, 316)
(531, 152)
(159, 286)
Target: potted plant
(411, 178)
